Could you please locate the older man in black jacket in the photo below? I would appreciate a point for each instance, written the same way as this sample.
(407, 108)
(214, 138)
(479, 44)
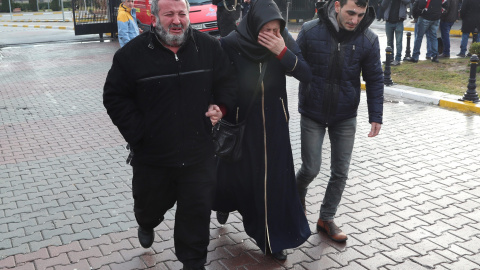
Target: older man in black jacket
(338, 47)
(162, 93)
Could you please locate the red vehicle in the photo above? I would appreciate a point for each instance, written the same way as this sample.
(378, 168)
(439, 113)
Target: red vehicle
(203, 15)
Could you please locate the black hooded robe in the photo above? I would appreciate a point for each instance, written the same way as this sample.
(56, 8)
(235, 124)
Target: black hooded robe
(261, 186)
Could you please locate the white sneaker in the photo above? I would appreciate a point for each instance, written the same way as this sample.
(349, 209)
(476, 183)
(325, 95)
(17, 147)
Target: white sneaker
(395, 63)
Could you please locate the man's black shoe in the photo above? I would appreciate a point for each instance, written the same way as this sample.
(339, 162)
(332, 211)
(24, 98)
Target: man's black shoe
(444, 56)
(193, 268)
(222, 217)
(413, 60)
(281, 255)
(428, 58)
(461, 55)
(469, 54)
(145, 237)
(435, 59)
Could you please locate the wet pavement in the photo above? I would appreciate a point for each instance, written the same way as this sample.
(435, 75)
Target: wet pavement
(412, 200)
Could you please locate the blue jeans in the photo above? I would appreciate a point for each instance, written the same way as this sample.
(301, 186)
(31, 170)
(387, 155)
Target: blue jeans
(445, 31)
(342, 136)
(396, 29)
(379, 12)
(464, 42)
(428, 28)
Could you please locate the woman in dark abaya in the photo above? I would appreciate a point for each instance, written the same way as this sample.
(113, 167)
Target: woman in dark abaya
(261, 186)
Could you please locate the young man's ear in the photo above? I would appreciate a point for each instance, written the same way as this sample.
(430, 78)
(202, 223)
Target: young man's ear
(337, 6)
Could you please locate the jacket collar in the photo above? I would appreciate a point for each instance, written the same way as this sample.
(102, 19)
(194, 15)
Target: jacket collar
(123, 7)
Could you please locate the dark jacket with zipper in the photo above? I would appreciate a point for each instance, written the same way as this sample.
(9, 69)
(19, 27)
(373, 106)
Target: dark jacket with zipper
(452, 12)
(158, 99)
(334, 93)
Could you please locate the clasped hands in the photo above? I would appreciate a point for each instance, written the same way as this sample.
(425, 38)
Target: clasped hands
(214, 113)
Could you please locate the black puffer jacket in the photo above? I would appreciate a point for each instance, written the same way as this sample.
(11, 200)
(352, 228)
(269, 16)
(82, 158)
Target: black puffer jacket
(158, 99)
(334, 93)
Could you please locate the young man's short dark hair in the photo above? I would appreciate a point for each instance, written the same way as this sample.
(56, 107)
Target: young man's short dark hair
(360, 3)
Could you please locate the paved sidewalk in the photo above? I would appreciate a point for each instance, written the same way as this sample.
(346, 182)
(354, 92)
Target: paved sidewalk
(412, 200)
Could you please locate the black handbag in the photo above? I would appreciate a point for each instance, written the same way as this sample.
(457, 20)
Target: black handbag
(228, 137)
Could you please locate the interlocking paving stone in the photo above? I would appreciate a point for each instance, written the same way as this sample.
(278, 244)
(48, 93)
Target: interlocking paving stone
(54, 241)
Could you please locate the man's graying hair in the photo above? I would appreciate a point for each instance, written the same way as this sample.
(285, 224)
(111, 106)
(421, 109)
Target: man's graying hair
(360, 3)
(154, 6)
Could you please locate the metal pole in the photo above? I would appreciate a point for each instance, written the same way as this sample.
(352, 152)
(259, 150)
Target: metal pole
(475, 35)
(387, 79)
(37, 6)
(288, 7)
(63, 12)
(407, 51)
(471, 94)
(10, 6)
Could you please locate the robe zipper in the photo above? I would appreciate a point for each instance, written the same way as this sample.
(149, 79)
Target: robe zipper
(265, 151)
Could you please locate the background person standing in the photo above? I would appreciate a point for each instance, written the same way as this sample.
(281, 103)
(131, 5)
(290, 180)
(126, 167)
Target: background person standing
(446, 22)
(395, 14)
(427, 24)
(228, 12)
(470, 14)
(127, 22)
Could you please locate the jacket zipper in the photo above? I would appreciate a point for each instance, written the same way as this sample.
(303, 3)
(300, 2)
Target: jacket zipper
(238, 109)
(178, 73)
(265, 151)
(284, 111)
(352, 54)
(332, 80)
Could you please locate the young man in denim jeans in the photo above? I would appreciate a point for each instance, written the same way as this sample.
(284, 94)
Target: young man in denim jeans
(427, 25)
(338, 47)
(395, 14)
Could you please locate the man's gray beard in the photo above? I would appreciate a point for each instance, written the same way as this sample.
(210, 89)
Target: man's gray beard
(169, 39)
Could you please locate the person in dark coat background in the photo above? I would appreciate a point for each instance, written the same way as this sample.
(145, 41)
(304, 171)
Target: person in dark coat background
(261, 186)
(470, 14)
(395, 13)
(228, 12)
(446, 22)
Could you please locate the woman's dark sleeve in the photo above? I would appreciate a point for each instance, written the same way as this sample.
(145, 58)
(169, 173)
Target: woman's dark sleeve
(293, 60)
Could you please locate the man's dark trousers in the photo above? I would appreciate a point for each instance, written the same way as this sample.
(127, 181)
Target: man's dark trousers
(155, 191)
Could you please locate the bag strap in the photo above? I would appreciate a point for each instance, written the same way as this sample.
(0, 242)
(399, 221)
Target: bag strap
(259, 82)
(428, 3)
(233, 7)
